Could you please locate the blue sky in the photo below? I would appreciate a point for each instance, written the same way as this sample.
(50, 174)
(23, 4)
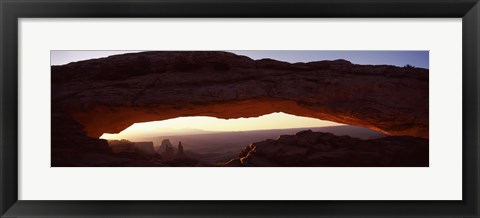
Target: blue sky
(396, 58)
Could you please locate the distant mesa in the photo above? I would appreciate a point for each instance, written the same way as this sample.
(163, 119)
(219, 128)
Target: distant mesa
(166, 144)
(145, 147)
(120, 146)
(168, 152)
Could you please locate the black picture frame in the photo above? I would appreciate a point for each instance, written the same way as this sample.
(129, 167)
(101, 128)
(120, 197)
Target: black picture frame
(12, 10)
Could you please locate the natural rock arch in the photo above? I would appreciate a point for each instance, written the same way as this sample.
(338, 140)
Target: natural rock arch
(107, 95)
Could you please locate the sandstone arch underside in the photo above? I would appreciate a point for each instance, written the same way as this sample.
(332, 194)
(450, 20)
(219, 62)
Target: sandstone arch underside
(108, 95)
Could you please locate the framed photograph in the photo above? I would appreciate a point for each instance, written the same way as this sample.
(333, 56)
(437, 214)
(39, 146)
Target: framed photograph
(227, 108)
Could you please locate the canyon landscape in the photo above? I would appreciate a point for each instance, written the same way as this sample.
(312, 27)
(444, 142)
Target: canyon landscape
(352, 115)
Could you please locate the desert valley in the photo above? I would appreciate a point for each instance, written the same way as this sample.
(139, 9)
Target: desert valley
(219, 148)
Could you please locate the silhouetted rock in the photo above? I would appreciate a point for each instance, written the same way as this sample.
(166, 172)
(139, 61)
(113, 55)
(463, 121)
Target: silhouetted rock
(150, 86)
(71, 147)
(317, 149)
(69, 140)
(166, 150)
(180, 153)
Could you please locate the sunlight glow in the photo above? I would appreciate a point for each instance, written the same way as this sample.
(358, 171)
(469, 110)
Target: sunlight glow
(202, 124)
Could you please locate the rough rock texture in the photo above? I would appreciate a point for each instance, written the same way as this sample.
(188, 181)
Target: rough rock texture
(107, 95)
(318, 149)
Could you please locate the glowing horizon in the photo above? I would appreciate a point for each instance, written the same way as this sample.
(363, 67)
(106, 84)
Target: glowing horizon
(196, 124)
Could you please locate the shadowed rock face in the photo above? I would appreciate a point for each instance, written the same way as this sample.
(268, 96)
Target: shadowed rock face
(318, 149)
(109, 94)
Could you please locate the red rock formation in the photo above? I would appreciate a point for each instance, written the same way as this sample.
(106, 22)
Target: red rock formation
(107, 95)
(318, 149)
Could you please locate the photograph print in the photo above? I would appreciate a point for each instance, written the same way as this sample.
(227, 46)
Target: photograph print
(239, 108)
